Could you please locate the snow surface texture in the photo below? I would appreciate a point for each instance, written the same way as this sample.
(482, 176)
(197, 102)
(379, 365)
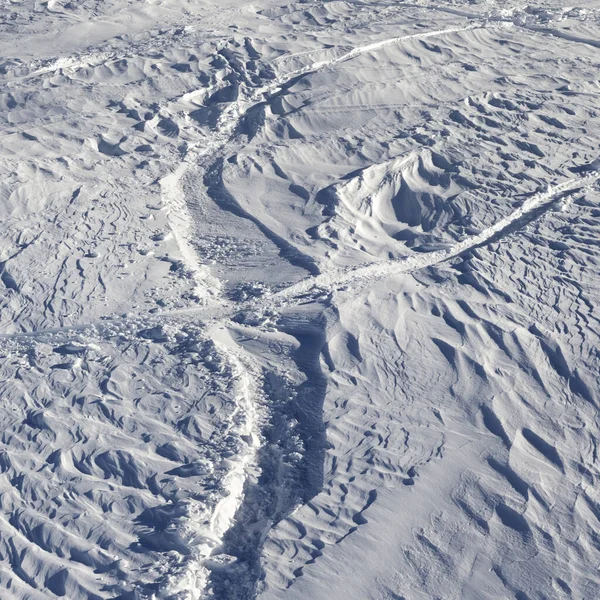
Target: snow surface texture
(300, 300)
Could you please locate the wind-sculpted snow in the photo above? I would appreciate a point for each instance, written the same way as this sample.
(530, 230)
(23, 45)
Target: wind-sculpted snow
(299, 300)
(113, 466)
(437, 397)
(530, 209)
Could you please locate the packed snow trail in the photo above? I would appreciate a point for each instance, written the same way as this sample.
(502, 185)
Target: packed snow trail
(207, 531)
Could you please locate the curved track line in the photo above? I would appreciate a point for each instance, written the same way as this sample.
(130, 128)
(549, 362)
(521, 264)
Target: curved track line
(207, 533)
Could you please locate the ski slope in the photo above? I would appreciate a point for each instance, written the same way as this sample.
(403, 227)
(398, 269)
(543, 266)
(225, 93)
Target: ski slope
(299, 300)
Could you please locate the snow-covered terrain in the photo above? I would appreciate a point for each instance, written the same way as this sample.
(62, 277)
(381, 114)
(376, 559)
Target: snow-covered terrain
(299, 301)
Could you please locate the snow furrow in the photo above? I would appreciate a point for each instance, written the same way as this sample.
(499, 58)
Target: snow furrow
(206, 287)
(405, 38)
(240, 108)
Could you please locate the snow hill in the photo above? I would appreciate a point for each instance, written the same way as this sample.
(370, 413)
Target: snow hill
(299, 300)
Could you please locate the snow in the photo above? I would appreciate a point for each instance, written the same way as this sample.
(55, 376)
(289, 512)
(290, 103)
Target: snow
(300, 300)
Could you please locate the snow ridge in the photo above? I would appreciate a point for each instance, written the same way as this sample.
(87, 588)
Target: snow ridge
(339, 278)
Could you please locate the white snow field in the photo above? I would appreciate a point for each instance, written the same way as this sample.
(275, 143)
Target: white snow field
(299, 301)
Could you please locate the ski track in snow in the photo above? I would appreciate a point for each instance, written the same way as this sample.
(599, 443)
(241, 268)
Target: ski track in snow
(191, 581)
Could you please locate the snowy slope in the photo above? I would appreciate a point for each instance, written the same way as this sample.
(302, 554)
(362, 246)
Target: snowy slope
(300, 300)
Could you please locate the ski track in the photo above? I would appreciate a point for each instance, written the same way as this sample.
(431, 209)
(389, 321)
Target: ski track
(191, 582)
(335, 279)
